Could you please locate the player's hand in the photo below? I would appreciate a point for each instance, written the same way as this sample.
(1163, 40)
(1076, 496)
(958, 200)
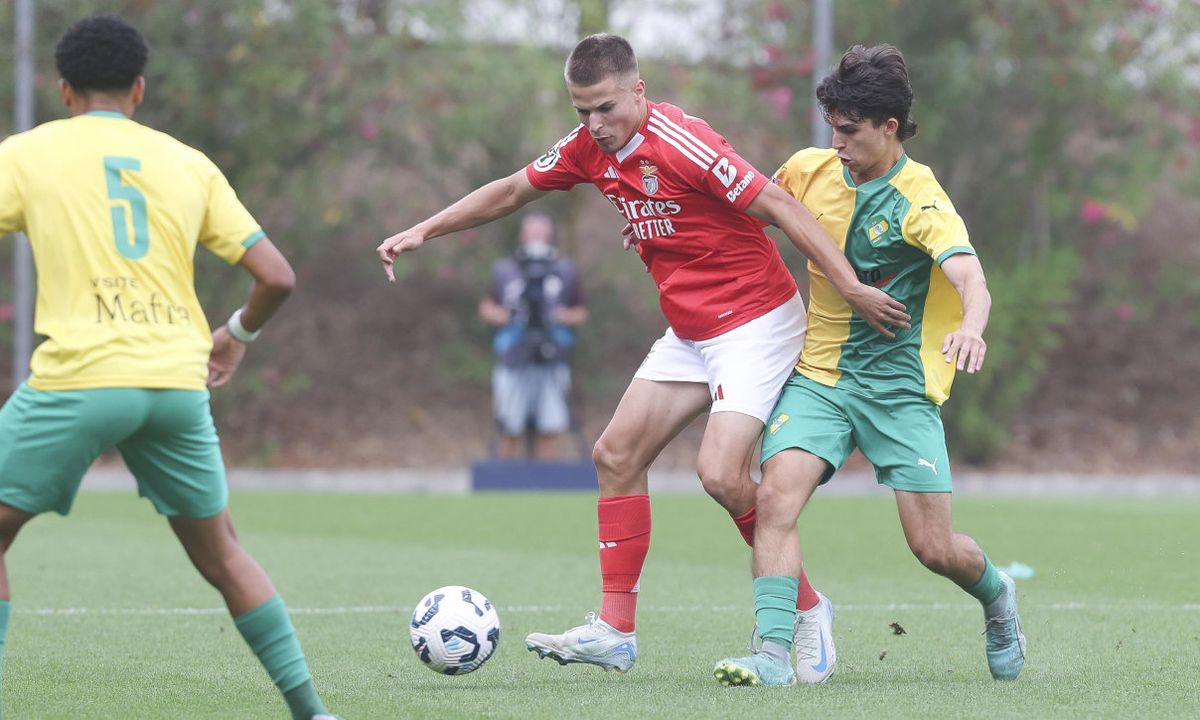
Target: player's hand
(226, 355)
(628, 239)
(391, 248)
(967, 347)
(880, 310)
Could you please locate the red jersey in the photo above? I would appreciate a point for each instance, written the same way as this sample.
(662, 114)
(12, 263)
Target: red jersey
(684, 190)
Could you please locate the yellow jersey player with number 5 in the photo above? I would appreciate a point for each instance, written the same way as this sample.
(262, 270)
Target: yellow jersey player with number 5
(114, 211)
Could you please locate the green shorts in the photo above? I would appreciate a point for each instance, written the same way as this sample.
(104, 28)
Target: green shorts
(901, 435)
(48, 440)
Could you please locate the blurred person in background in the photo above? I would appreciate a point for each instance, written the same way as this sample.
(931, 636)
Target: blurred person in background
(536, 301)
(114, 211)
(853, 388)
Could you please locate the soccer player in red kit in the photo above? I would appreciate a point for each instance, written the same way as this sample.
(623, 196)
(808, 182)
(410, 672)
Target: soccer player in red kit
(695, 210)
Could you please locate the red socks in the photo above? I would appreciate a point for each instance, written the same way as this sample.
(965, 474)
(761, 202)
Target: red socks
(806, 595)
(806, 598)
(624, 523)
(624, 532)
(745, 525)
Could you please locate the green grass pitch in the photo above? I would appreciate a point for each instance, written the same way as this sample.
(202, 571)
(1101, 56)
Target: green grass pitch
(110, 620)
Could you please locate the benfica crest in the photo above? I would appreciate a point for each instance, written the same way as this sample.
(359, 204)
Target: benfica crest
(649, 180)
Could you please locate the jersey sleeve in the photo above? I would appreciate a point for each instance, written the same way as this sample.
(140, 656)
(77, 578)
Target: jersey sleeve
(790, 178)
(12, 204)
(559, 167)
(229, 230)
(710, 163)
(935, 227)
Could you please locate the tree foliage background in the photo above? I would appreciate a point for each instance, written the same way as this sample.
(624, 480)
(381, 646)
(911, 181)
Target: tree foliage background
(1067, 133)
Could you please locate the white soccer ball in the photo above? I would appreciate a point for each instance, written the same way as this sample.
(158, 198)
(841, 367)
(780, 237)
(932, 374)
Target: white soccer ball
(454, 630)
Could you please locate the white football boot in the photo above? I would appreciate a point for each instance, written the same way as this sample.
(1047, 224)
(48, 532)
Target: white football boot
(812, 642)
(595, 643)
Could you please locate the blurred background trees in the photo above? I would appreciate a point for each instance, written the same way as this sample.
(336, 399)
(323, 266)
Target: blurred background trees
(1067, 134)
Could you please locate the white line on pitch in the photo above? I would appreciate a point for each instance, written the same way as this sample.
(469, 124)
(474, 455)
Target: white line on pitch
(381, 609)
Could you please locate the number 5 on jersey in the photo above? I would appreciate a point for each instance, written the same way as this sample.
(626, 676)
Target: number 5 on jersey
(126, 196)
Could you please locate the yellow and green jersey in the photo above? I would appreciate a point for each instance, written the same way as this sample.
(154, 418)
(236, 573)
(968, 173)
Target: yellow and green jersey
(896, 230)
(113, 211)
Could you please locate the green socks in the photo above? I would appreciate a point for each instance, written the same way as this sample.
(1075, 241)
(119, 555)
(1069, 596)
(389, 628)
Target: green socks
(775, 608)
(303, 701)
(989, 586)
(269, 633)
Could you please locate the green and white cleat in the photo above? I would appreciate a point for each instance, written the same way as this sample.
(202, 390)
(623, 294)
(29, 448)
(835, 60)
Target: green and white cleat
(757, 669)
(1005, 641)
(812, 641)
(594, 643)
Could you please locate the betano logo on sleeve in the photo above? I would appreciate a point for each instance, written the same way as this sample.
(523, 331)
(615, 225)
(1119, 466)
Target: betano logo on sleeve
(878, 228)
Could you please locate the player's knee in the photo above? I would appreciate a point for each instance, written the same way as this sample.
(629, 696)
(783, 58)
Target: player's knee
(776, 504)
(933, 555)
(217, 561)
(719, 483)
(603, 455)
(613, 463)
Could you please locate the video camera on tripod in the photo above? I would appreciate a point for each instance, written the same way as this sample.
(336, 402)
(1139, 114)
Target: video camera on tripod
(536, 263)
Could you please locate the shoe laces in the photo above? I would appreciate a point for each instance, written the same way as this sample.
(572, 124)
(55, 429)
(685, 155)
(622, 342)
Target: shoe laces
(593, 623)
(755, 640)
(807, 638)
(997, 629)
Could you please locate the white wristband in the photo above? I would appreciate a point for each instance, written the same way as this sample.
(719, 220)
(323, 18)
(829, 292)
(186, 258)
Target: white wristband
(239, 333)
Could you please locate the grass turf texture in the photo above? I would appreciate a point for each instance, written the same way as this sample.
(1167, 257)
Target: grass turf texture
(1112, 617)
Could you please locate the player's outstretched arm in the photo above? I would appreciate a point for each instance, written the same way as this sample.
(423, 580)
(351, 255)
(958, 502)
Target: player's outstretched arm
(877, 308)
(966, 344)
(490, 202)
(273, 282)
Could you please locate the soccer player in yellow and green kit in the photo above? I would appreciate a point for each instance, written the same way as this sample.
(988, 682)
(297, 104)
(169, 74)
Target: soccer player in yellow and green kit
(114, 211)
(855, 388)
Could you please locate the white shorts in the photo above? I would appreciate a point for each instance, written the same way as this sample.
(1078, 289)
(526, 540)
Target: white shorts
(745, 368)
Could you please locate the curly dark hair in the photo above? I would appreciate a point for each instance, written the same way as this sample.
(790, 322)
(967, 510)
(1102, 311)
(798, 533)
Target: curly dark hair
(870, 83)
(598, 57)
(102, 52)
